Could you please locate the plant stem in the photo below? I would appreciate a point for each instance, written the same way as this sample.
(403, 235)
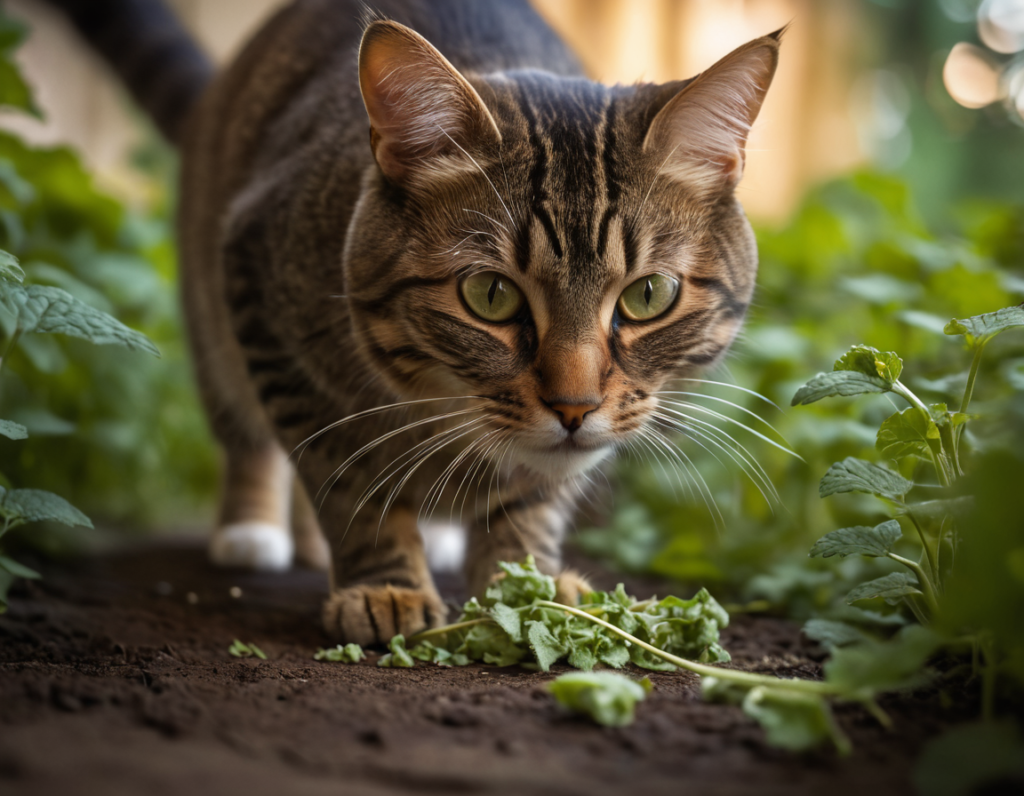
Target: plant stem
(744, 678)
(922, 577)
(932, 563)
(972, 375)
(423, 635)
(10, 347)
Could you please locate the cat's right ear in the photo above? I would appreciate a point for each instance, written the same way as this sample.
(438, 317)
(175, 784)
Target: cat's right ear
(424, 115)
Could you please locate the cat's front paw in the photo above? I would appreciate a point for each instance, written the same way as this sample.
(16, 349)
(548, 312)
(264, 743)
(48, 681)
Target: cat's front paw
(373, 614)
(570, 586)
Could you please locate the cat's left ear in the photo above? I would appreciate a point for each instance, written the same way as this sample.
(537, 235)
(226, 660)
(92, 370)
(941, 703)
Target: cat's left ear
(701, 133)
(424, 115)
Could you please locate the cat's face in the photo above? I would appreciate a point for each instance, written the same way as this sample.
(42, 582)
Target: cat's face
(559, 250)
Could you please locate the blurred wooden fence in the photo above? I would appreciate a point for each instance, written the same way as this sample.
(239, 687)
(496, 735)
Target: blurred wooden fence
(803, 135)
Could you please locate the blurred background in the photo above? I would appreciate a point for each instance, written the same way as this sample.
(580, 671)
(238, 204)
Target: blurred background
(884, 177)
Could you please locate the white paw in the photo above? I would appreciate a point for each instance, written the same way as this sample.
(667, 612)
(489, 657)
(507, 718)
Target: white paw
(253, 545)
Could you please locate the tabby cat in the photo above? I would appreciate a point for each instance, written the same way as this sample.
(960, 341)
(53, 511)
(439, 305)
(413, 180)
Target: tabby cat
(428, 265)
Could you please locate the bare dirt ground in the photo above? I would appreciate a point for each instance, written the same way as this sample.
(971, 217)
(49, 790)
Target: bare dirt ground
(115, 679)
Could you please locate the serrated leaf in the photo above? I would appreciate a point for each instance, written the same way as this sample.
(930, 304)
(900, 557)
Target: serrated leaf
(19, 506)
(509, 621)
(988, 325)
(606, 697)
(10, 271)
(859, 540)
(892, 588)
(832, 633)
(18, 570)
(839, 382)
(546, 648)
(12, 430)
(857, 475)
(885, 365)
(907, 433)
(46, 309)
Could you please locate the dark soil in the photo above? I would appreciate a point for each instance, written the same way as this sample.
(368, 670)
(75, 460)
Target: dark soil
(115, 679)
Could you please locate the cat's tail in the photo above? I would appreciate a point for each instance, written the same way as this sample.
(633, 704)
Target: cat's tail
(150, 50)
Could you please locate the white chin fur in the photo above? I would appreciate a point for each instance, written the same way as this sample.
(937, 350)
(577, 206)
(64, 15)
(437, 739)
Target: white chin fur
(560, 465)
(252, 545)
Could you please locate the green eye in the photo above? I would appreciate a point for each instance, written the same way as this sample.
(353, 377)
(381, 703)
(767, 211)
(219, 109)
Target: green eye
(492, 296)
(648, 297)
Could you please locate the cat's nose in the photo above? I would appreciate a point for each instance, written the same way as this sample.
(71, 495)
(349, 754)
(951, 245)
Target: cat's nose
(572, 415)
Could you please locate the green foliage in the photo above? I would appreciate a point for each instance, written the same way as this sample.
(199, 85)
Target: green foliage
(85, 259)
(398, 657)
(518, 623)
(606, 697)
(350, 653)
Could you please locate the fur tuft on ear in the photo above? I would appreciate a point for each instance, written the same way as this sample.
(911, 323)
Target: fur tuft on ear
(423, 112)
(701, 133)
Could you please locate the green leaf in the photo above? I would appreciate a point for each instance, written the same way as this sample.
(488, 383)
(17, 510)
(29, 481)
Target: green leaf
(429, 653)
(871, 362)
(12, 430)
(606, 697)
(239, 649)
(399, 657)
(859, 540)
(983, 327)
(958, 507)
(14, 91)
(857, 475)
(509, 621)
(840, 382)
(832, 633)
(546, 648)
(20, 506)
(984, 757)
(350, 653)
(794, 721)
(16, 569)
(10, 271)
(520, 585)
(892, 588)
(884, 665)
(45, 309)
(910, 432)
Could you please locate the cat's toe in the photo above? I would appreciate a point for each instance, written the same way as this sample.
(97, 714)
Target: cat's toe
(253, 545)
(373, 614)
(570, 586)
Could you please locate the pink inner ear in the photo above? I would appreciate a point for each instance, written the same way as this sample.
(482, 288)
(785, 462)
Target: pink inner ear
(420, 107)
(703, 130)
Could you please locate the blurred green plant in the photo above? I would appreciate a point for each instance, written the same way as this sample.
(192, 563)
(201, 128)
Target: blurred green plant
(141, 451)
(42, 309)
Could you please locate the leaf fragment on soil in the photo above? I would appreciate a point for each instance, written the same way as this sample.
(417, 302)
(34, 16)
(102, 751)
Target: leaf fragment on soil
(350, 653)
(608, 698)
(241, 650)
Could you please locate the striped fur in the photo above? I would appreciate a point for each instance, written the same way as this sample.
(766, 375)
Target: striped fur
(322, 284)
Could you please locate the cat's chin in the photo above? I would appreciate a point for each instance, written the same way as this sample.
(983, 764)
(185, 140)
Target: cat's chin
(560, 462)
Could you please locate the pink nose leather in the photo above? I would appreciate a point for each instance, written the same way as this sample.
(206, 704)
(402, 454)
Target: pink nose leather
(572, 415)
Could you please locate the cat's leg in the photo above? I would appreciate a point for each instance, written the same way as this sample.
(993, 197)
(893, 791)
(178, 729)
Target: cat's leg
(311, 549)
(380, 584)
(530, 525)
(252, 530)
